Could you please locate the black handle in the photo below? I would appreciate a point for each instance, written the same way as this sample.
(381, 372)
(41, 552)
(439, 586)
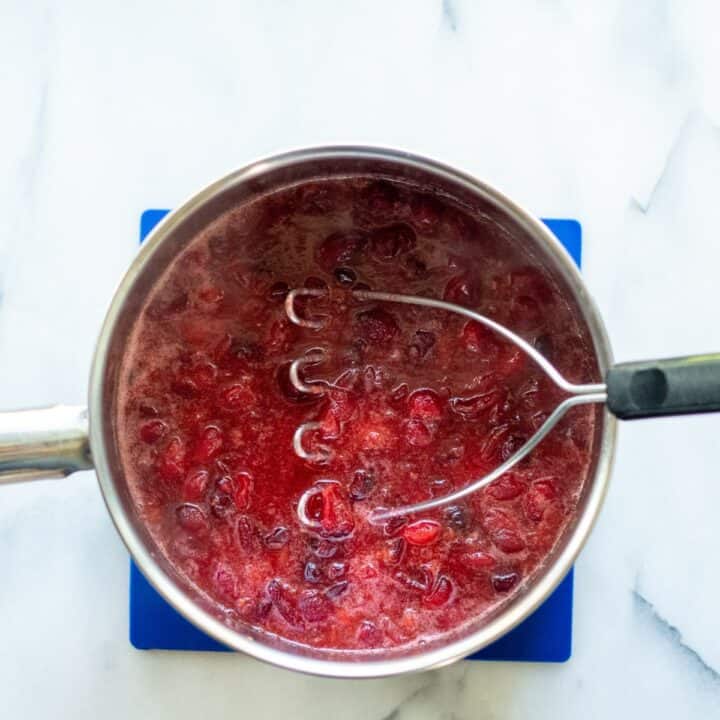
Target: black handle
(676, 386)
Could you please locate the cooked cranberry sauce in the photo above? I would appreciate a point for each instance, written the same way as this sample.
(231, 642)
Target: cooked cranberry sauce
(418, 402)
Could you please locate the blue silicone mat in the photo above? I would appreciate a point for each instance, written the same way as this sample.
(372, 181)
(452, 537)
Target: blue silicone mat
(546, 636)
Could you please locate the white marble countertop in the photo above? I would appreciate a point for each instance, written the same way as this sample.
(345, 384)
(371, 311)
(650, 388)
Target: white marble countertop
(606, 111)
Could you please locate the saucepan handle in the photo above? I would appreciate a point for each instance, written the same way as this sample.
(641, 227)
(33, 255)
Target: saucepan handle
(675, 386)
(43, 443)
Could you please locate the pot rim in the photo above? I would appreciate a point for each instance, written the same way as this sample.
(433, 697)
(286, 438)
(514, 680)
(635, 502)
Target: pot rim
(437, 656)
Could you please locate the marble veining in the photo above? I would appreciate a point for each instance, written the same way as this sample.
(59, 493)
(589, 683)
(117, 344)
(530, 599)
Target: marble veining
(673, 634)
(604, 111)
(449, 15)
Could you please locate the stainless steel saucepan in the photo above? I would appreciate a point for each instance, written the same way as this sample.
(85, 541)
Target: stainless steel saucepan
(58, 441)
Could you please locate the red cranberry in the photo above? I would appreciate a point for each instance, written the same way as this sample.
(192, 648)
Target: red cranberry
(462, 290)
(507, 540)
(362, 484)
(278, 291)
(422, 532)
(479, 560)
(416, 580)
(224, 581)
(246, 535)
(340, 248)
(195, 485)
(504, 582)
(507, 487)
(335, 515)
(336, 570)
(337, 590)
(479, 338)
(395, 551)
(242, 485)
(441, 592)
(284, 601)
(209, 444)
(152, 431)
(539, 497)
(171, 462)
(315, 283)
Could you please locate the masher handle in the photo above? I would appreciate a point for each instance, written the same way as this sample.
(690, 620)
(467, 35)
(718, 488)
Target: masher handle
(675, 386)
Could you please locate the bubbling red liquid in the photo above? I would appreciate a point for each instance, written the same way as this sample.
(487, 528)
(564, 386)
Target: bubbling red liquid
(417, 403)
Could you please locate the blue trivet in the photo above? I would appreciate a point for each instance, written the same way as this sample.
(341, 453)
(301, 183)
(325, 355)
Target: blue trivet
(546, 636)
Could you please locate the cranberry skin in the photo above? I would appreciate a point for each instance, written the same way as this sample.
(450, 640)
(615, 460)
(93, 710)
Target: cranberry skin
(336, 591)
(422, 532)
(389, 242)
(152, 431)
(314, 606)
(284, 601)
(394, 551)
(191, 518)
(195, 485)
(505, 581)
(540, 495)
(479, 560)
(208, 445)
(336, 517)
(171, 462)
(277, 539)
(441, 593)
(507, 487)
(340, 249)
